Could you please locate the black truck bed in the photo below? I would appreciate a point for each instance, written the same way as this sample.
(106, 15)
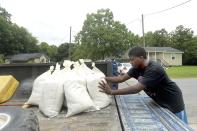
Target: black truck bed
(126, 113)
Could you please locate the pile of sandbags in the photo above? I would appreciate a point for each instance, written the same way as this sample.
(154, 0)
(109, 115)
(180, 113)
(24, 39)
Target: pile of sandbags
(76, 88)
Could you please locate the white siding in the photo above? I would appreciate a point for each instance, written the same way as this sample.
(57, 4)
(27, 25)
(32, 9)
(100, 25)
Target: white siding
(174, 62)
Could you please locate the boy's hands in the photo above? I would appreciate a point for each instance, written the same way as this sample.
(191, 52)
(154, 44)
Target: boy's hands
(104, 86)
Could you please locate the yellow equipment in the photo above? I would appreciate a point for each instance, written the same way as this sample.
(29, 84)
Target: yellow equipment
(8, 85)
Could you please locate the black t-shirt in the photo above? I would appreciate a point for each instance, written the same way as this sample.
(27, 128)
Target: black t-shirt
(159, 87)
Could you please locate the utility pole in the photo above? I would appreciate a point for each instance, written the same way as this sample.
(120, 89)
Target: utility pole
(69, 50)
(70, 34)
(143, 30)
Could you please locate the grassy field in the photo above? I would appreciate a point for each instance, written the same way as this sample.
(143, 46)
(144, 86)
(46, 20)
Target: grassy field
(182, 72)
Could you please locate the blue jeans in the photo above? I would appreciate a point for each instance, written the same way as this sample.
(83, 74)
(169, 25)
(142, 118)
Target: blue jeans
(182, 115)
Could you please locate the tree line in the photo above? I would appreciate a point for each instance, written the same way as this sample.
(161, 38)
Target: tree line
(100, 37)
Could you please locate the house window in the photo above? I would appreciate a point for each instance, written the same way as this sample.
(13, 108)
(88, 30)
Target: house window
(173, 56)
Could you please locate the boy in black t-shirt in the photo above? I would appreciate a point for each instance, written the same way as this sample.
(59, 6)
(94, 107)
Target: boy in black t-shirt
(153, 80)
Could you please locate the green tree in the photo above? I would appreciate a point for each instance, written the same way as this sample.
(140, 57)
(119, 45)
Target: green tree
(79, 51)
(192, 55)
(28, 41)
(159, 38)
(44, 47)
(5, 34)
(184, 40)
(50, 50)
(102, 37)
(5, 15)
(64, 50)
(149, 39)
(15, 39)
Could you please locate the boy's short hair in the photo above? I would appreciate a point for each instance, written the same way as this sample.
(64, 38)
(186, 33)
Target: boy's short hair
(137, 52)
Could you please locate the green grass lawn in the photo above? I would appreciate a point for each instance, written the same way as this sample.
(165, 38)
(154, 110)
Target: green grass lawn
(182, 72)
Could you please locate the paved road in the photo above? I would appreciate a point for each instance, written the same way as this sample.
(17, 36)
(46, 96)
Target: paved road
(189, 90)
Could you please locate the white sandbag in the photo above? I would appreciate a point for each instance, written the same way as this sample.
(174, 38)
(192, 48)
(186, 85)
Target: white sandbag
(52, 94)
(83, 69)
(93, 77)
(83, 72)
(78, 99)
(100, 99)
(38, 86)
(67, 63)
(67, 67)
(52, 98)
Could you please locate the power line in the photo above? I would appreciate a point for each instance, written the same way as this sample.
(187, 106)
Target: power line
(137, 19)
(157, 12)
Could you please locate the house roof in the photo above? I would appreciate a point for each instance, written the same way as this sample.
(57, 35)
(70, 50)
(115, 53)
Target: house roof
(162, 49)
(26, 57)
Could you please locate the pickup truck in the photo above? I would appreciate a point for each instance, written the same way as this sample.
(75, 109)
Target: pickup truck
(126, 113)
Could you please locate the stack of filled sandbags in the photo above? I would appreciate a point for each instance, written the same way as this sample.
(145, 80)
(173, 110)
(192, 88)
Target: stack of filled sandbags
(75, 88)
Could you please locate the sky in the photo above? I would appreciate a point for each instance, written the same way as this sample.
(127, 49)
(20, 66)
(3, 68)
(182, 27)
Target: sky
(50, 20)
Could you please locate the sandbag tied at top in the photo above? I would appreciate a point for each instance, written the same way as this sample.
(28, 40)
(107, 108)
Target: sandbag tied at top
(77, 97)
(93, 77)
(53, 94)
(67, 63)
(67, 67)
(100, 99)
(38, 86)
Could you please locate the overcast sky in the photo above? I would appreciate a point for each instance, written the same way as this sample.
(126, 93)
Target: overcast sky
(49, 20)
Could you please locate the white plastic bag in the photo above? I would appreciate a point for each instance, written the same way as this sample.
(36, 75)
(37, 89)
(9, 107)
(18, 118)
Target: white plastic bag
(52, 94)
(38, 86)
(67, 67)
(100, 99)
(93, 77)
(52, 98)
(78, 99)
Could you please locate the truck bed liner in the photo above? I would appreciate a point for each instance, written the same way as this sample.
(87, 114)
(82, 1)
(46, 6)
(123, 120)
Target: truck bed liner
(106, 119)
